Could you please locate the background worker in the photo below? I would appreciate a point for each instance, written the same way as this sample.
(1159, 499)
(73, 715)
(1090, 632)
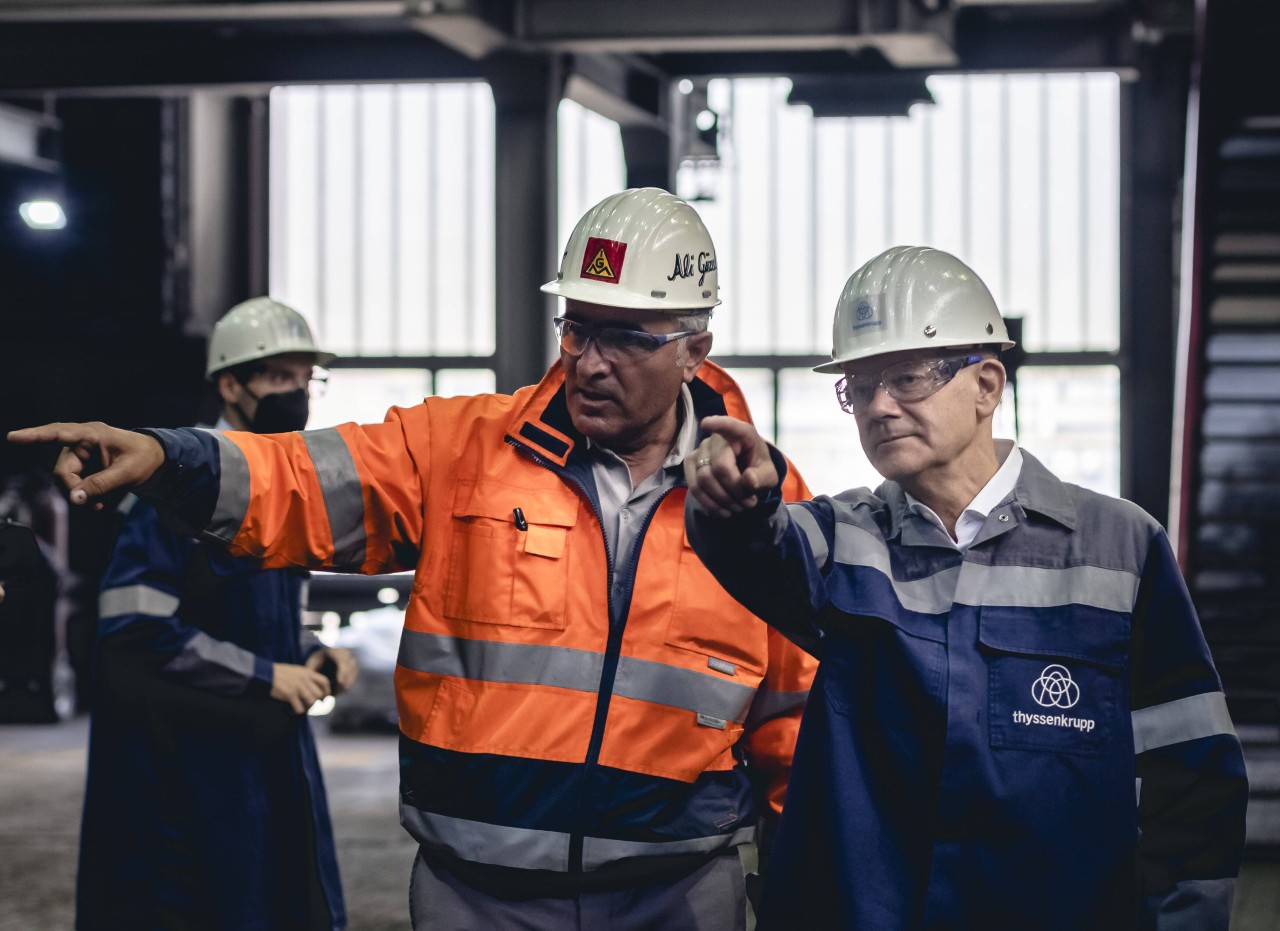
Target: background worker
(1016, 723)
(204, 803)
(590, 724)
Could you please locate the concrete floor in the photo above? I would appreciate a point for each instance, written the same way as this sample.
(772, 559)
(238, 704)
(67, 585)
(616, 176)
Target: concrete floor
(41, 785)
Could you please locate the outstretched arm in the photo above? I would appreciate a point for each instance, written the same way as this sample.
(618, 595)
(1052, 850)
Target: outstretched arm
(345, 498)
(761, 550)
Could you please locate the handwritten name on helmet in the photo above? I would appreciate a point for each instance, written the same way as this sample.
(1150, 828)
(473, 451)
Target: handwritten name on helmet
(686, 266)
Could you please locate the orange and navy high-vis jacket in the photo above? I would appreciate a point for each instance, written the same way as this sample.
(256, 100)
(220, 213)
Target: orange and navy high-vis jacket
(560, 714)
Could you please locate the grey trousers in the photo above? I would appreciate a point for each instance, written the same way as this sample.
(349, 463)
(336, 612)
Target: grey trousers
(712, 898)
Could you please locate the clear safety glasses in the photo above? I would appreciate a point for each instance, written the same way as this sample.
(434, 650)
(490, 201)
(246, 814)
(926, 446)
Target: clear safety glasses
(913, 380)
(614, 343)
(281, 378)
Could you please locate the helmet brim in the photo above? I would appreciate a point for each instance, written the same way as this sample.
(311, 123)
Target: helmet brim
(610, 295)
(836, 366)
(322, 359)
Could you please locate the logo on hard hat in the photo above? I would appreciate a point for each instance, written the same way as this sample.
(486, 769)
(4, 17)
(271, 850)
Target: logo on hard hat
(865, 315)
(602, 259)
(1055, 688)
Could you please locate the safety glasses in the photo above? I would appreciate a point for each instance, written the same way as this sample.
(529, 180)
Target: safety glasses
(913, 380)
(614, 343)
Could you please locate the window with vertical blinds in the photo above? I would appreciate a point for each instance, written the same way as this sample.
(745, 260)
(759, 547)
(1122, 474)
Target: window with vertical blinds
(382, 235)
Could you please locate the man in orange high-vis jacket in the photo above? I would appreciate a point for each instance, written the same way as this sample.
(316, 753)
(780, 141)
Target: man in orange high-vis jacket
(590, 725)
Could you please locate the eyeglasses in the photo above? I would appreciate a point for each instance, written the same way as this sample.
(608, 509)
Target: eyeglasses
(913, 380)
(282, 378)
(614, 343)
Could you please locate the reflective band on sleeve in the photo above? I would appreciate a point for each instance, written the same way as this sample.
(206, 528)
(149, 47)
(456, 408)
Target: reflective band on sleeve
(214, 664)
(492, 661)
(481, 842)
(1175, 722)
(233, 491)
(601, 851)
(769, 704)
(136, 599)
(813, 533)
(676, 687)
(343, 496)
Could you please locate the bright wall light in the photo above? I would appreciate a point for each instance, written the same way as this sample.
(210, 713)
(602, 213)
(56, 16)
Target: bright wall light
(43, 214)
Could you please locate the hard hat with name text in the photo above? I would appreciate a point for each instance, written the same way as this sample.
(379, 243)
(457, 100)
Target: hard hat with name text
(642, 248)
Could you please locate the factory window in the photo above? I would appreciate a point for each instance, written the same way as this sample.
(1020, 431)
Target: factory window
(382, 236)
(1018, 175)
(591, 164)
(382, 231)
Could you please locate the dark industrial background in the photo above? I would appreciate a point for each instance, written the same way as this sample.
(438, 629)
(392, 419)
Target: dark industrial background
(108, 322)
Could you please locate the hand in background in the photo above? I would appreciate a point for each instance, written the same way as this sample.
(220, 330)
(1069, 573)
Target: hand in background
(344, 665)
(297, 686)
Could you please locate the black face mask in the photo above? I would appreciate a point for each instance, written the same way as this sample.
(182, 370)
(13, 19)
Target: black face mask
(279, 413)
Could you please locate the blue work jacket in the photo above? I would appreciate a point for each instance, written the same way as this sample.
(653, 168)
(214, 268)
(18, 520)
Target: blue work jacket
(1026, 734)
(204, 804)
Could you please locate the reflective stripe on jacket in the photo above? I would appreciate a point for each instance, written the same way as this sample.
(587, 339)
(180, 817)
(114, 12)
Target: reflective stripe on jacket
(1029, 734)
(537, 733)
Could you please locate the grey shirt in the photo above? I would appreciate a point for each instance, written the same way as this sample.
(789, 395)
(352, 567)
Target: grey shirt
(623, 506)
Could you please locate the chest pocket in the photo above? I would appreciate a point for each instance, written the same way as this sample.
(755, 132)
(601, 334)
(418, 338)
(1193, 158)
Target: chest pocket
(500, 573)
(1056, 678)
(706, 621)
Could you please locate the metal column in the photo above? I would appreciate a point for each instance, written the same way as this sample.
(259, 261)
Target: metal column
(1152, 127)
(221, 225)
(526, 95)
(647, 151)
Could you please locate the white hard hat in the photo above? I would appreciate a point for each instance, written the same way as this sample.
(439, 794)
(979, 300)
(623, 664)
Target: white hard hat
(256, 329)
(912, 297)
(644, 249)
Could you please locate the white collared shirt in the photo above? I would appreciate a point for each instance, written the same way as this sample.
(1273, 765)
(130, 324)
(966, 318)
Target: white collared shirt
(998, 488)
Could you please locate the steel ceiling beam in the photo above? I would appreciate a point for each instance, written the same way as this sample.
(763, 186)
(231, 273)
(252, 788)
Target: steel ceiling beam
(905, 33)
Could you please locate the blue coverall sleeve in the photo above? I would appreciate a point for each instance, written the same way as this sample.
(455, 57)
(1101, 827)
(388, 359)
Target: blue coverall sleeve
(141, 592)
(309, 643)
(1192, 788)
(771, 558)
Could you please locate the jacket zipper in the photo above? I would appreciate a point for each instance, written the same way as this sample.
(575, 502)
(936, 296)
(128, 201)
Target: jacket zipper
(613, 645)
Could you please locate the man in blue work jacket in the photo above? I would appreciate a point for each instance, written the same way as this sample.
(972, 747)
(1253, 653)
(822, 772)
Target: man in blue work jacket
(1016, 722)
(204, 804)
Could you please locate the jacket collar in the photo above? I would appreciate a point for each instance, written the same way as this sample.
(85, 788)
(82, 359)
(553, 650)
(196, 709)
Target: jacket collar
(1041, 492)
(543, 425)
(1038, 491)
